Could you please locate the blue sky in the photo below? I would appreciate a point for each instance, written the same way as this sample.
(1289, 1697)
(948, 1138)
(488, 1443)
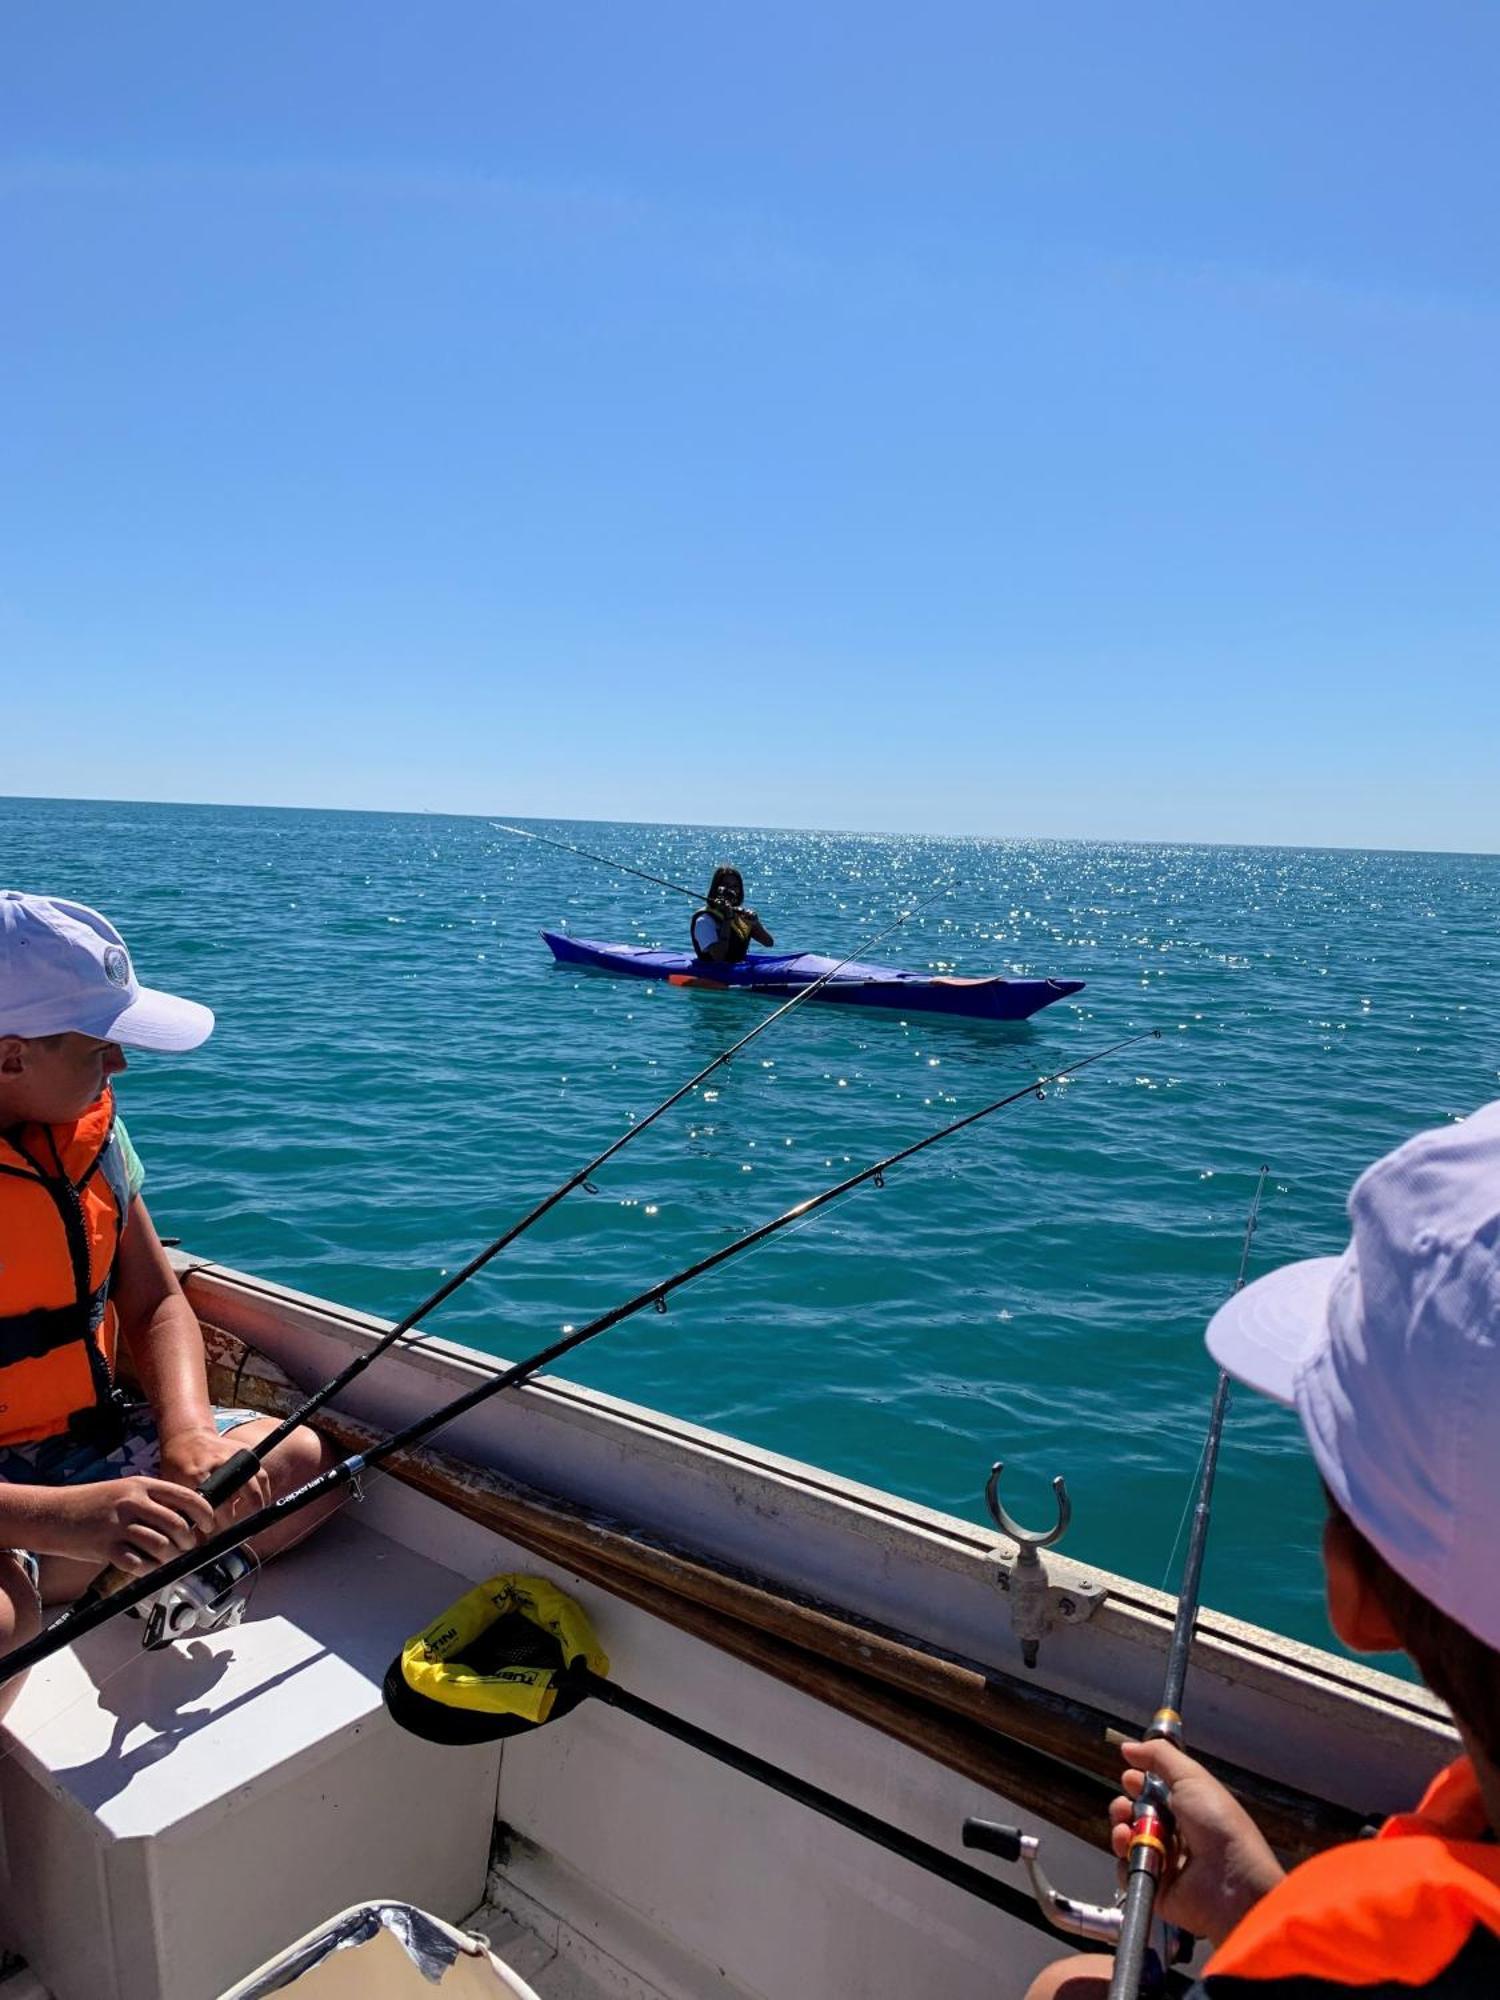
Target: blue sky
(977, 418)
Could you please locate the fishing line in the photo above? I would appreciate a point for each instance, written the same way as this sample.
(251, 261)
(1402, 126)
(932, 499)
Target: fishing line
(608, 860)
(1152, 1825)
(89, 1613)
(1239, 1285)
(1182, 1519)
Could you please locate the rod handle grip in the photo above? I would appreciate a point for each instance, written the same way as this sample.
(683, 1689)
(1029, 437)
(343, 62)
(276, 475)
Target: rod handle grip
(226, 1480)
(221, 1484)
(992, 1838)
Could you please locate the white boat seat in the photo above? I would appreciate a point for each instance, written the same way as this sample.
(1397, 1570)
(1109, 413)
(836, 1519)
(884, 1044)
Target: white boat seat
(170, 1818)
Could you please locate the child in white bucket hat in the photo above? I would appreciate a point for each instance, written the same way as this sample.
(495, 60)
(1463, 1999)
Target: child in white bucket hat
(89, 1477)
(1391, 1356)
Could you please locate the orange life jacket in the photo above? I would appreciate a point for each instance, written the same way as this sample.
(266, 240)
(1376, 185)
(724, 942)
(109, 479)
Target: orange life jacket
(64, 1194)
(1416, 1909)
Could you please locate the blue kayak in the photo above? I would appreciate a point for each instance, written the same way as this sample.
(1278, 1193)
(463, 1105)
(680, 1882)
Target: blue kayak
(857, 984)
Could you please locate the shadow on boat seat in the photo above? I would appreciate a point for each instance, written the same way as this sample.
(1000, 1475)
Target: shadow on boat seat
(171, 1818)
(182, 1701)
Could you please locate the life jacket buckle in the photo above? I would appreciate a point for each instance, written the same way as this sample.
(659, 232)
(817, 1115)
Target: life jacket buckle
(105, 1426)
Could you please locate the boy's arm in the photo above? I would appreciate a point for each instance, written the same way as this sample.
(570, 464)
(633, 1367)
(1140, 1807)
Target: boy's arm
(131, 1523)
(165, 1341)
(161, 1329)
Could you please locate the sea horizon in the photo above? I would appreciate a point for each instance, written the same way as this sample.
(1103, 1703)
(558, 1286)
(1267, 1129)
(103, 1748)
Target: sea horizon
(495, 815)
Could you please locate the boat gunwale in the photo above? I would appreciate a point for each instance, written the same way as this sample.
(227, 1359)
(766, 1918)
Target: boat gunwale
(1134, 1612)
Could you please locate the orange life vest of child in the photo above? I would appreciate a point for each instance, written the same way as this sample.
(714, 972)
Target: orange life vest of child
(64, 1195)
(1416, 1909)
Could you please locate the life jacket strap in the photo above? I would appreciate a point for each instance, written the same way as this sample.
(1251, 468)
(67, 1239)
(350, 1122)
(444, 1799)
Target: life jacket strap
(27, 1336)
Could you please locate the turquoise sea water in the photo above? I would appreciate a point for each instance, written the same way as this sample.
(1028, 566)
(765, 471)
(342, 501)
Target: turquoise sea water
(399, 1068)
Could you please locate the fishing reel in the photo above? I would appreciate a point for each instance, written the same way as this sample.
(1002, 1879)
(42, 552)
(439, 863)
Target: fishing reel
(1102, 1923)
(210, 1600)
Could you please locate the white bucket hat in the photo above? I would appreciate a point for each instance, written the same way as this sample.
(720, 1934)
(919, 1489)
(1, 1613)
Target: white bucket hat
(64, 969)
(1391, 1356)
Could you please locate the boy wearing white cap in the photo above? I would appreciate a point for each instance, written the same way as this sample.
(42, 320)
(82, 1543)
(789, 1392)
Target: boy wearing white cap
(89, 1479)
(1391, 1356)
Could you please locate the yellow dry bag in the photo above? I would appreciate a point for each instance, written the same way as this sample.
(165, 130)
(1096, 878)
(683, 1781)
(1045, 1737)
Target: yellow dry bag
(511, 1654)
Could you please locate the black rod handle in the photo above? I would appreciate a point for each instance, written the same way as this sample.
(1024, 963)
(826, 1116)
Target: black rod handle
(1004, 1842)
(226, 1480)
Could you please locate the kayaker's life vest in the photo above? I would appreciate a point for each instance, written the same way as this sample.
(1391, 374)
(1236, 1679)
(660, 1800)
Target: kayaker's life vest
(1414, 1911)
(64, 1195)
(721, 933)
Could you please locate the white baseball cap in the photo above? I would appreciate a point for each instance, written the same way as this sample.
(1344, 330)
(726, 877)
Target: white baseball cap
(1391, 1356)
(64, 969)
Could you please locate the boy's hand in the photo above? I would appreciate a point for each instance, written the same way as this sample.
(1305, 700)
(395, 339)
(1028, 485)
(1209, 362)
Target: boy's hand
(190, 1455)
(1220, 1865)
(133, 1524)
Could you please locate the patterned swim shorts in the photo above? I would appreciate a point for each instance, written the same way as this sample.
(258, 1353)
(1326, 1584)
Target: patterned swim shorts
(62, 1461)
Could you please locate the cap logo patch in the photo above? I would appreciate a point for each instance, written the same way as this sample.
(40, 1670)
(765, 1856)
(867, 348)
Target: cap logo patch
(116, 966)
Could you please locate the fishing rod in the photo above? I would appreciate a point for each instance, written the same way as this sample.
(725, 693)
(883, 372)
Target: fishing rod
(566, 847)
(1151, 1828)
(90, 1612)
(236, 1472)
(227, 1479)
(1127, 1924)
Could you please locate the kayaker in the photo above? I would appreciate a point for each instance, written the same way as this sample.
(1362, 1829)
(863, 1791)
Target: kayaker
(723, 930)
(1391, 1356)
(91, 1476)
